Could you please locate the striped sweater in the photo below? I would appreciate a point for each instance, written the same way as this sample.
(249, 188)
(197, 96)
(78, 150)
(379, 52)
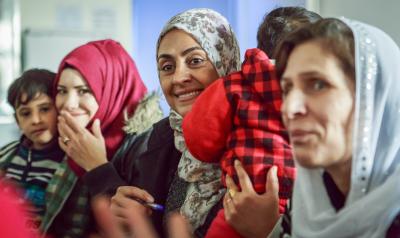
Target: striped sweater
(31, 170)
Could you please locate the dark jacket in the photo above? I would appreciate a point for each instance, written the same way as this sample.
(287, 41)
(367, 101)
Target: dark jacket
(148, 161)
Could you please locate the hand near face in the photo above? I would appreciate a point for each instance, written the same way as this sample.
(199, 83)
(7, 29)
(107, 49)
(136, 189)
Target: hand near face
(251, 214)
(86, 148)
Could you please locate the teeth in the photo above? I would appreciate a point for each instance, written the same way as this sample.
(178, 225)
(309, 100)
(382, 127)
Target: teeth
(190, 94)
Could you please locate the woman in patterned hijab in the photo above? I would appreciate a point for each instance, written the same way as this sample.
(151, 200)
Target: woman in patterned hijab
(194, 49)
(185, 69)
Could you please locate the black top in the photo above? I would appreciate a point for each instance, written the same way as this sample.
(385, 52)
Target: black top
(338, 200)
(148, 161)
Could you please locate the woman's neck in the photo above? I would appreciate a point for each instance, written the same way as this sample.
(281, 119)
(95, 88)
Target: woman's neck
(341, 175)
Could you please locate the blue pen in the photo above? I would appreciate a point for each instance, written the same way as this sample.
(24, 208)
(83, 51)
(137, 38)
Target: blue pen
(152, 205)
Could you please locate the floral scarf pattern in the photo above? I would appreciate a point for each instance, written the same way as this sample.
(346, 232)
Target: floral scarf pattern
(205, 178)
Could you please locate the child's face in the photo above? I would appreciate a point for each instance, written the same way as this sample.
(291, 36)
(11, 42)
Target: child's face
(38, 120)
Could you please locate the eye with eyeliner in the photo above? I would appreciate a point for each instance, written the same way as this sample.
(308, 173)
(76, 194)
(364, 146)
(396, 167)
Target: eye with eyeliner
(195, 61)
(61, 90)
(84, 90)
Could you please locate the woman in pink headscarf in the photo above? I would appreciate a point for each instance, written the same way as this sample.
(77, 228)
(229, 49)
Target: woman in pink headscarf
(96, 84)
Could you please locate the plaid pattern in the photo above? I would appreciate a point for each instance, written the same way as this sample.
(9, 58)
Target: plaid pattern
(68, 205)
(258, 138)
(67, 199)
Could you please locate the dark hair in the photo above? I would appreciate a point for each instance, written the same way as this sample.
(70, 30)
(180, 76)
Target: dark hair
(278, 23)
(334, 37)
(32, 82)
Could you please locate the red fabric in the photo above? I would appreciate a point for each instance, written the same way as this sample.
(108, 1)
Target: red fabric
(212, 127)
(220, 228)
(115, 82)
(256, 135)
(14, 221)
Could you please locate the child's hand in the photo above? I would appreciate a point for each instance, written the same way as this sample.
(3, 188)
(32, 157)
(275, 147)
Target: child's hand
(86, 148)
(251, 214)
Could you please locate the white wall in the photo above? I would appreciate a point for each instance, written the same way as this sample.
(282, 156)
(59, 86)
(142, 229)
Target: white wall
(382, 14)
(110, 17)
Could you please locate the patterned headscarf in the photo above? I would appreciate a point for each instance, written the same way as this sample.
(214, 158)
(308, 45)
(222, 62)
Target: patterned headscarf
(115, 82)
(373, 200)
(214, 34)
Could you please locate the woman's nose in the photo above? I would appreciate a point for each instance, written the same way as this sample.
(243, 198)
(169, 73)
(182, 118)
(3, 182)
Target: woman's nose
(181, 74)
(71, 101)
(294, 104)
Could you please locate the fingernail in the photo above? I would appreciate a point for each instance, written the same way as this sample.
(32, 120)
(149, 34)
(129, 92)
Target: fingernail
(237, 163)
(274, 170)
(149, 198)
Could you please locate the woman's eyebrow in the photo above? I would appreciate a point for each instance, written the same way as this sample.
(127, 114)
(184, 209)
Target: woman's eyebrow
(76, 86)
(185, 52)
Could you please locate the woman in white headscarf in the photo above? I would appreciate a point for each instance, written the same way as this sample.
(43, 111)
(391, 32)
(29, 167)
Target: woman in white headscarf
(194, 49)
(340, 81)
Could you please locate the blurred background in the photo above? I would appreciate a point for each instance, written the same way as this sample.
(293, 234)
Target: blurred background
(39, 33)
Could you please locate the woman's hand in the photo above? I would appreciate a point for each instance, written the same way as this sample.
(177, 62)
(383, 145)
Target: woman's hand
(86, 148)
(251, 214)
(138, 224)
(123, 203)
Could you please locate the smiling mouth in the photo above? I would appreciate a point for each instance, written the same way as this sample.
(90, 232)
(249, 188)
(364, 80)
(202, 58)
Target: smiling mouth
(188, 95)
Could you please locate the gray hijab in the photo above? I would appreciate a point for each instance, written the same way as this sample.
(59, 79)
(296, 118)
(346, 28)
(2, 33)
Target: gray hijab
(374, 197)
(214, 34)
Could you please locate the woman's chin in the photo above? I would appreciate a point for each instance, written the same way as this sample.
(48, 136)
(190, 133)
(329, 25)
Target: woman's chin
(306, 160)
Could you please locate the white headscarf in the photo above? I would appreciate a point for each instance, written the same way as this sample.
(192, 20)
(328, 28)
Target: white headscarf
(374, 197)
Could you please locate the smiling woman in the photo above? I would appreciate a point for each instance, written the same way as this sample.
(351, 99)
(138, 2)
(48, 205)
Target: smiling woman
(75, 97)
(184, 70)
(98, 80)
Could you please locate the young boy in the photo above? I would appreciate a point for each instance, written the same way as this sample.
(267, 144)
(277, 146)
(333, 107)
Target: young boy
(31, 162)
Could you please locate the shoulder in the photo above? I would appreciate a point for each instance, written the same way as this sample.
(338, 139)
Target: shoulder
(160, 131)
(7, 152)
(134, 145)
(9, 148)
